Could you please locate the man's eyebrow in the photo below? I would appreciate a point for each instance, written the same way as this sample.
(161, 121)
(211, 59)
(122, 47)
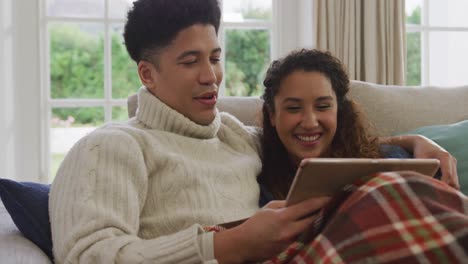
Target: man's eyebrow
(195, 53)
(188, 53)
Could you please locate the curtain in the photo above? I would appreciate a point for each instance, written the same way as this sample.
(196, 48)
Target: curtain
(368, 36)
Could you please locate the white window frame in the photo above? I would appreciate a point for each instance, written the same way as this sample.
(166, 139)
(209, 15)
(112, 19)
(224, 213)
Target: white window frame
(424, 29)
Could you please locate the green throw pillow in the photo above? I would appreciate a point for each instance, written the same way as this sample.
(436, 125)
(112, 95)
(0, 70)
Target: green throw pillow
(454, 138)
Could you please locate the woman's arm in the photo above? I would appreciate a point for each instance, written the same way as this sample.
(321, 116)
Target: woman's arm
(423, 147)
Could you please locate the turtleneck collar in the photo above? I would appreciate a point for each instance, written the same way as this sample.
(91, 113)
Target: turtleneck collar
(157, 115)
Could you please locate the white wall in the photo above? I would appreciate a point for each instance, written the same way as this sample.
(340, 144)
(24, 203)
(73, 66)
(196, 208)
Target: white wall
(20, 96)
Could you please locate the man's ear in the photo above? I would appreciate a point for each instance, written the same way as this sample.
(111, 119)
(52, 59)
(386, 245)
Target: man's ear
(147, 73)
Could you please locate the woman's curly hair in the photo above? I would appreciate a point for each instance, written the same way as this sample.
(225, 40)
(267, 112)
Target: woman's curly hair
(353, 138)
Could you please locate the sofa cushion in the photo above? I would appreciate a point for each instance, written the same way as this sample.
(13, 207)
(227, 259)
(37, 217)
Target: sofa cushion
(397, 109)
(28, 205)
(454, 138)
(14, 247)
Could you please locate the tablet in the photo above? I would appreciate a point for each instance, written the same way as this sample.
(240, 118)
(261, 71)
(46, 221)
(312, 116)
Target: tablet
(325, 176)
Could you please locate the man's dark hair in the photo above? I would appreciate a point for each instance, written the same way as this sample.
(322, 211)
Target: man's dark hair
(153, 24)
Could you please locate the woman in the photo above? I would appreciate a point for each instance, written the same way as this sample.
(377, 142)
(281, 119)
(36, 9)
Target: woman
(313, 103)
(307, 114)
(344, 131)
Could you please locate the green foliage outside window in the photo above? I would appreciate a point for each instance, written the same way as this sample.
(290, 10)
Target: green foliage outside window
(76, 63)
(77, 66)
(125, 80)
(247, 56)
(77, 70)
(413, 50)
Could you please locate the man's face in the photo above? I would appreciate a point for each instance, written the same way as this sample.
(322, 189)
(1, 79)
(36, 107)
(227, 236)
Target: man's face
(188, 73)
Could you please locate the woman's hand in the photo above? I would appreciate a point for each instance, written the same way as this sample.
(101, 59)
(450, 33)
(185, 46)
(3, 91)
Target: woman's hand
(267, 232)
(424, 148)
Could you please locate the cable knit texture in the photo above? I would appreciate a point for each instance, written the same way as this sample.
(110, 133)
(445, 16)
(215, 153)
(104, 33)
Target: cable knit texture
(141, 191)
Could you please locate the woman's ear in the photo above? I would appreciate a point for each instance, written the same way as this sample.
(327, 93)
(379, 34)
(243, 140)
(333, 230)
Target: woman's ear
(147, 74)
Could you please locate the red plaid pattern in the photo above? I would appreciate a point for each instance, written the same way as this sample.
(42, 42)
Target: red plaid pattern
(387, 218)
(393, 217)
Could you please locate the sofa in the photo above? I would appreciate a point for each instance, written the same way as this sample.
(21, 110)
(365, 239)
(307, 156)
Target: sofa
(437, 112)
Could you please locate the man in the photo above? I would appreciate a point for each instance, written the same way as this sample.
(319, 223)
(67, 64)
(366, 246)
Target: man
(143, 190)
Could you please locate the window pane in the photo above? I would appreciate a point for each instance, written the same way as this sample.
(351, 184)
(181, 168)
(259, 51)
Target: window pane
(413, 11)
(242, 10)
(119, 113)
(76, 60)
(76, 8)
(247, 58)
(447, 58)
(125, 79)
(413, 58)
(68, 125)
(119, 8)
(451, 13)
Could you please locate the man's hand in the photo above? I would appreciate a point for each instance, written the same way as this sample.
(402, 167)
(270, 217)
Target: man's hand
(268, 232)
(424, 148)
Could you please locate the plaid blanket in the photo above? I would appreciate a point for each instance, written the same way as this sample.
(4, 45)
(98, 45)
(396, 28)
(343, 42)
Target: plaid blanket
(387, 218)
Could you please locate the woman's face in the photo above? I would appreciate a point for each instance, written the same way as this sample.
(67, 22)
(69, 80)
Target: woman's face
(305, 115)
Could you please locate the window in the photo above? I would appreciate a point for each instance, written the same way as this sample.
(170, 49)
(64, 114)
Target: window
(89, 75)
(246, 34)
(437, 37)
(89, 72)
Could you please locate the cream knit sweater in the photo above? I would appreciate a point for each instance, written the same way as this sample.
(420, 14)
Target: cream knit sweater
(141, 191)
